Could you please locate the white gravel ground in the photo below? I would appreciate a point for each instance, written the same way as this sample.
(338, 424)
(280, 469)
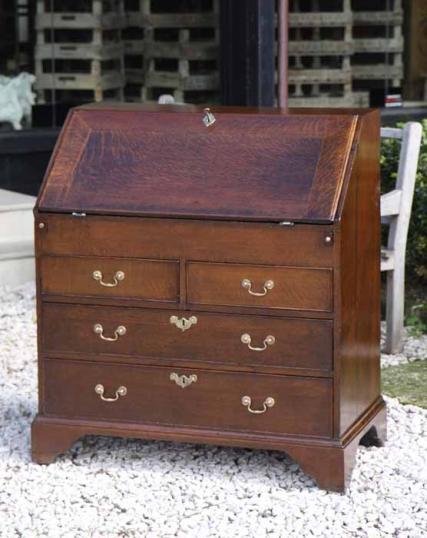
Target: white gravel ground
(118, 488)
(414, 349)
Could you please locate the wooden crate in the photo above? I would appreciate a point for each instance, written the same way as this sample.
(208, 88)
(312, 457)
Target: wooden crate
(320, 45)
(318, 33)
(198, 96)
(416, 52)
(80, 14)
(178, 53)
(143, 14)
(79, 49)
(85, 44)
(79, 96)
(353, 99)
(378, 43)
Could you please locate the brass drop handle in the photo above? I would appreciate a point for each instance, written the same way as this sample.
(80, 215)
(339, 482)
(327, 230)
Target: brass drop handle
(117, 277)
(183, 381)
(183, 323)
(121, 391)
(268, 341)
(247, 284)
(99, 329)
(268, 402)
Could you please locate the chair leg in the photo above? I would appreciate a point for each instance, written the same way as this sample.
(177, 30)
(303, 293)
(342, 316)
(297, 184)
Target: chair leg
(395, 309)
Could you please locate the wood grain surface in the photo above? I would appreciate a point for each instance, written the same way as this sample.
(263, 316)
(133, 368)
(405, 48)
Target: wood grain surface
(252, 166)
(295, 288)
(213, 401)
(151, 280)
(215, 339)
(133, 170)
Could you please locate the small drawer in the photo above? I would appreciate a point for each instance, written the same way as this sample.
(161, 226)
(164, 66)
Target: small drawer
(195, 398)
(149, 280)
(262, 286)
(234, 340)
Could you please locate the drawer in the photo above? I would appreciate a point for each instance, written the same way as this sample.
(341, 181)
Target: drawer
(110, 277)
(250, 341)
(294, 288)
(198, 398)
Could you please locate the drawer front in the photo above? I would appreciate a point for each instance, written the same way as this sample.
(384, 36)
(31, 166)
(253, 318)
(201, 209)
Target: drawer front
(255, 341)
(306, 245)
(202, 398)
(294, 288)
(110, 277)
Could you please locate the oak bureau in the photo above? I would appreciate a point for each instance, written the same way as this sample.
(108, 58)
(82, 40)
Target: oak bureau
(212, 276)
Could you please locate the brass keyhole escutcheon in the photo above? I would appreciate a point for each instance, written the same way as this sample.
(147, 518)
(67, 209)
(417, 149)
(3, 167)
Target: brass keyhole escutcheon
(183, 323)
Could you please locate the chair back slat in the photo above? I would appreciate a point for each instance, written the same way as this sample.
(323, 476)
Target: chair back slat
(391, 132)
(390, 203)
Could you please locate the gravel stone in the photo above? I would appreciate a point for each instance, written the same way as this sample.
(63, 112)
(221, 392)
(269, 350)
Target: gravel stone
(414, 349)
(105, 487)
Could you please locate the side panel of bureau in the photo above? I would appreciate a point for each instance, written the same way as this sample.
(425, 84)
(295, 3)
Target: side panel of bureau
(357, 335)
(213, 400)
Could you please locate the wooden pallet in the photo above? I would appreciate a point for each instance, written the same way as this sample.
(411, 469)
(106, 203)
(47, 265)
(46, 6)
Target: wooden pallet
(137, 93)
(91, 75)
(390, 45)
(180, 96)
(103, 14)
(319, 76)
(379, 71)
(78, 43)
(99, 86)
(82, 40)
(142, 13)
(79, 51)
(185, 46)
(319, 19)
(378, 53)
(181, 80)
(78, 96)
(352, 99)
(320, 46)
(179, 51)
(375, 18)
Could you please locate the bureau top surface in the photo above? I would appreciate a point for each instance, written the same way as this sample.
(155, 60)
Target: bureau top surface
(250, 164)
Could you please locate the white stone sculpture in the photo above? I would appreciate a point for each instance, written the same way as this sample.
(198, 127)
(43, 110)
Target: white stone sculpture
(16, 99)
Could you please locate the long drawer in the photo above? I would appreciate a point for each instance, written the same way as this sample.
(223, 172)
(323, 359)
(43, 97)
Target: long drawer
(255, 341)
(194, 398)
(115, 278)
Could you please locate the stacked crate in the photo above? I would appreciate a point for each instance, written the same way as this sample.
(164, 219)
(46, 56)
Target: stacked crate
(178, 51)
(133, 41)
(378, 44)
(79, 52)
(320, 48)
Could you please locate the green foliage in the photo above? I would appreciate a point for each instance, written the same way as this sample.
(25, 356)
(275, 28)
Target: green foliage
(416, 253)
(416, 321)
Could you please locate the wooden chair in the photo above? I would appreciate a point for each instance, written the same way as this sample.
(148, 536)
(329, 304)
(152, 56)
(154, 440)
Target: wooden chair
(396, 208)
